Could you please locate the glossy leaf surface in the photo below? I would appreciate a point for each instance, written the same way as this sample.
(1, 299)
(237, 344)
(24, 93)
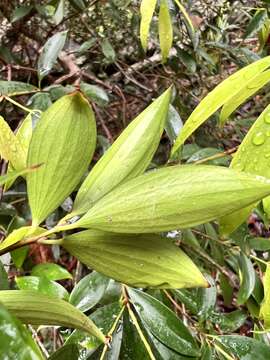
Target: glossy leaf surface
(38, 309)
(222, 93)
(50, 52)
(174, 197)
(128, 157)
(15, 340)
(63, 141)
(51, 271)
(137, 260)
(163, 323)
(12, 88)
(89, 291)
(247, 279)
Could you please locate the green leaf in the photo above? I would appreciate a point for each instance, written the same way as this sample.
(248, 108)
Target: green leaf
(247, 279)
(19, 234)
(173, 198)
(13, 175)
(95, 93)
(3, 278)
(78, 4)
(165, 29)
(174, 124)
(10, 147)
(12, 88)
(108, 50)
(20, 12)
(89, 291)
(163, 323)
(251, 157)
(207, 299)
(51, 271)
(230, 322)
(147, 10)
(43, 286)
(39, 309)
(50, 52)
(260, 244)
(64, 141)
(265, 307)
(66, 352)
(245, 348)
(128, 157)
(59, 12)
(256, 23)
(19, 255)
(104, 318)
(252, 87)
(222, 93)
(186, 16)
(137, 260)
(40, 101)
(15, 340)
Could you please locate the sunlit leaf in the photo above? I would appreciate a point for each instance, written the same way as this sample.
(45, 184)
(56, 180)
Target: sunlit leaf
(51, 271)
(172, 198)
(222, 93)
(165, 29)
(137, 260)
(147, 10)
(63, 141)
(128, 157)
(265, 307)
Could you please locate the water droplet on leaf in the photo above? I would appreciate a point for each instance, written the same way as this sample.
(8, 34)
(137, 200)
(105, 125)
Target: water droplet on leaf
(258, 138)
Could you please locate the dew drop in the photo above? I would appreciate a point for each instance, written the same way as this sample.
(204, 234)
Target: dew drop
(267, 155)
(258, 138)
(268, 133)
(267, 118)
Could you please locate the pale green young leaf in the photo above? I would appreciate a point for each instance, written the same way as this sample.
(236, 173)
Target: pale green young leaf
(12, 175)
(147, 10)
(265, 307)
(174, 197)
(165, 29)
(251, 88)
(138, 260)
(19, 234)
(128, 157)
(11, 148)
(63, 141)
(221, 94)
(252, 156)
(39, 309)
(50, 52)
(51, 271)
(12, 88)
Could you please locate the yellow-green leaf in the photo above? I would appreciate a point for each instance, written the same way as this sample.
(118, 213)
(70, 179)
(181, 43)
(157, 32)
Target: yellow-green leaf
(265, 307)
(128, 157)
(251, 88)
(222, 93)
(172, 198)
(165, 29)
(147, 10)
(10, 147)
(138, 260)
(63, 141)
(39, 309)
(252, 156)
(185, 14)
(12, 175)
(19, 234)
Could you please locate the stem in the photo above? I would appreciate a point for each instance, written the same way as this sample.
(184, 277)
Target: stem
(18, 104)
(227, 356)
(106, 346)
(216, 156)
(136, 324)
(258, 259)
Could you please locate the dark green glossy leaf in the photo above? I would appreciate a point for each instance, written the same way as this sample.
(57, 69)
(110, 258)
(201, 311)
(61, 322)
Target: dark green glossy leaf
(19, 255)
(3, 277)
(40, 101)
(260, 244)
(15, 341)
(51, 271)
(50, 52)
(12, 88)
(247, 279)
(89, 291)
(174, 124)
(67, 352)
(163, 323)
(256, 22)
(95, 93)
(207, 298)
(230, 322)
(108, 50)
(137, 260)
(245, 348)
